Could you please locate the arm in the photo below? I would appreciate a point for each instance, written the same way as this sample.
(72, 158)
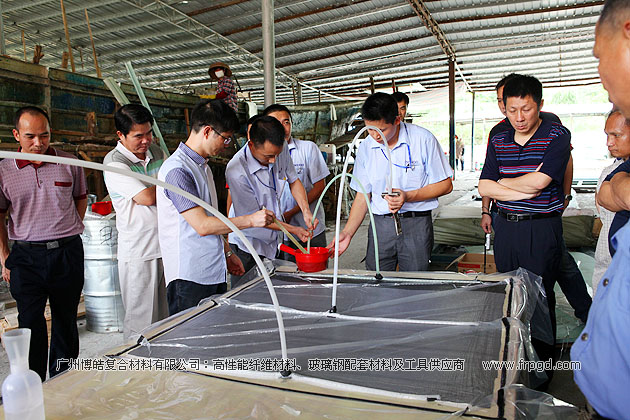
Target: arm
(486, 219)
(229, 202)
(145, 197)
(613, 195)
(531, 183)
(568, 177)
(4, 247)
(421, 194)
(357, 214)
(299, 232)
(208, 225)
(493, 189)
(311, 196)
(299, 194)
(81, 206)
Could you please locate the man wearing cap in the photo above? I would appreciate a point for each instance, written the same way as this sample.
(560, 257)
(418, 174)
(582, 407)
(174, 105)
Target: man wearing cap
(226, 89)
(46, 203)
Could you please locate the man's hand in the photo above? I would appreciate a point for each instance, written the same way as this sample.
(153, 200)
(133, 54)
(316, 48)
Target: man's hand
(235, 265)
(301, 233)
(261, 218)
(287, 216)
(308, 219)
(344, 242)
(486, 223)
(6, 274)
(395, 202)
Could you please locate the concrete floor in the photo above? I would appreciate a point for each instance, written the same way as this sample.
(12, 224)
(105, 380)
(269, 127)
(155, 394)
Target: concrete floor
(562, 387)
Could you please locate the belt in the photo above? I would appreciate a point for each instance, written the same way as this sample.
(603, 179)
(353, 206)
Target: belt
(518, 217)
(48, 245)
(409, 214)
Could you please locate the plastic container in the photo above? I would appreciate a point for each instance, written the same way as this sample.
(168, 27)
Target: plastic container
(22, 393)
(316, 261)
(102, 207)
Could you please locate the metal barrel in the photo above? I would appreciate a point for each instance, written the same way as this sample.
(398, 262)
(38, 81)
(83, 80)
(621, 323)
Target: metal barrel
(103, 302)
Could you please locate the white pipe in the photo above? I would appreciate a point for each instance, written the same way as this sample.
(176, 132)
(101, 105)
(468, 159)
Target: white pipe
(196, 200)
(341, 186)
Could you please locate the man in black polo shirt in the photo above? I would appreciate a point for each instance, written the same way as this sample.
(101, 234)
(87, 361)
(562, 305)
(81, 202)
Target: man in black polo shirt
(570, 277)
(523, 172)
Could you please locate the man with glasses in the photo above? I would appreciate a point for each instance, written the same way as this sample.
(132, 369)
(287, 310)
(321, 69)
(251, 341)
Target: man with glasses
(195, 256)
(420, 175)
(140, 268)
(254, 175)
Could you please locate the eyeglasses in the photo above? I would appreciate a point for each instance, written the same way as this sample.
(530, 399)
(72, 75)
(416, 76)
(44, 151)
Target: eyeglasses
(226, 140)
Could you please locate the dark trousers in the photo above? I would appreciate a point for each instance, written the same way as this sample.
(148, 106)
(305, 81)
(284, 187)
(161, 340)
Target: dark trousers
(571, 282)
(319, 240)
(39, 274)
(535, 245)
(410, 251)
(248, 263)
(184, 294)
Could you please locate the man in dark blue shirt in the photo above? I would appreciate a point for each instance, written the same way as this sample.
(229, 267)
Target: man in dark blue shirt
(615, 201)
(523, 172)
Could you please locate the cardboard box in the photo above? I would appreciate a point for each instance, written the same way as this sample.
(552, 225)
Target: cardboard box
(473, 263)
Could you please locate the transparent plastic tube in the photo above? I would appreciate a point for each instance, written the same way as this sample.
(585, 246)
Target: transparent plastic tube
(341, 185)
(196, 200)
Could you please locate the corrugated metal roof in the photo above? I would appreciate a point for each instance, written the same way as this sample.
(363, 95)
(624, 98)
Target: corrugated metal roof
(334, 46)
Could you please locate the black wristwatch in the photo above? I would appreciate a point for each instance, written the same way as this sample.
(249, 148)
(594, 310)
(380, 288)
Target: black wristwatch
(568, 197)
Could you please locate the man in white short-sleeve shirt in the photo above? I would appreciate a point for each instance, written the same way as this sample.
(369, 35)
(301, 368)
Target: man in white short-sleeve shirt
(140, 268)
(311, 170)
(420, 174)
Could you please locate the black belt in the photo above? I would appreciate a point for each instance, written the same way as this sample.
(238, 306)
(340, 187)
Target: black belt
(48, 245)
(409, 214)
(518, 217)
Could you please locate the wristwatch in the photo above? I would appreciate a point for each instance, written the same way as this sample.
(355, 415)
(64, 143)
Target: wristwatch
(229, 254)
(568, 197)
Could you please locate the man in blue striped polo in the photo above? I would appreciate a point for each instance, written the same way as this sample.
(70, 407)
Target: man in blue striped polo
(524, 172)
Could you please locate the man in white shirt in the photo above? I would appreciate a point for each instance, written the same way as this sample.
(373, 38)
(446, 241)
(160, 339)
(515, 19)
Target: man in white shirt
(311, 170)
(140, 268)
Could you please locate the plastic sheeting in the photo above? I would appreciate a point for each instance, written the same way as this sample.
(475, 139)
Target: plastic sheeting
(442, 330)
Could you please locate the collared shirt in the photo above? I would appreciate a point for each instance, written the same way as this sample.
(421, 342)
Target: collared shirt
(417, 158)
(137, 224)
(621, 217)
(504, 124)
(253, 186)
(603, 347)
(187, 255)
(41, 198)
(227, 85)
(549, 145)
(310, 168)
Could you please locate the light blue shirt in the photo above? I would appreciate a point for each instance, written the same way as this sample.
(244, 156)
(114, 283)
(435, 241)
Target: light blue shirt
(418, 160)
(253, 186)
(603, 348)
(185, 254)
(310, 168)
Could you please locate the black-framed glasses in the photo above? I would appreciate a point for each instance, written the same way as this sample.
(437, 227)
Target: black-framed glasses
(226, 140)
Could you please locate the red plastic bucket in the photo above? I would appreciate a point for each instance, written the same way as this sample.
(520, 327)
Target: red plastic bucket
(317, 260)
(102, 207)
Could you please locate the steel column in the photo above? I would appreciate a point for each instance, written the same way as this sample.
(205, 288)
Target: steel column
(269, 52)
(472, 135)
(451, 113)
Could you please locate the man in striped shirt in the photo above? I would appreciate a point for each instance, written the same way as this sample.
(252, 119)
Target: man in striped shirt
(140, 268)
(524, 172)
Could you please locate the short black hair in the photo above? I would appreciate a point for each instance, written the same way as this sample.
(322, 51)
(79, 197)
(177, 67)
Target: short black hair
(401, 97)
(33, 110)
(522, 86)
(614, 11)
(215, 113)
(130, 114)
(380, 106)
(504, 80)
(252, 119)
(276, 108)
(266, 128)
